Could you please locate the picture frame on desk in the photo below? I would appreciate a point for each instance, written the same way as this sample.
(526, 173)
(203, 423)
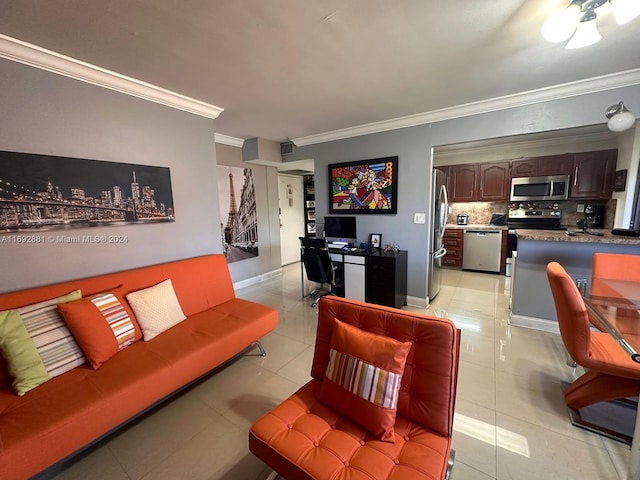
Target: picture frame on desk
(375, 241)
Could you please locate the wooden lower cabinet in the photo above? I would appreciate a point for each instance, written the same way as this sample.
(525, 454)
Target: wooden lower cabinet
(453, 241)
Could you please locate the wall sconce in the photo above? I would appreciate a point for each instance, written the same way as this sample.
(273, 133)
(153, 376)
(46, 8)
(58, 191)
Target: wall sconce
(620, 118)
(578, 21)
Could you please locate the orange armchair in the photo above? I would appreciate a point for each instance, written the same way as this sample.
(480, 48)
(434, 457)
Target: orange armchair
(304, 439)
(611, 372)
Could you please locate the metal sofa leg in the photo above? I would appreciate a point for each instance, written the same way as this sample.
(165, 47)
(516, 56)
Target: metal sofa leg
(255, 344)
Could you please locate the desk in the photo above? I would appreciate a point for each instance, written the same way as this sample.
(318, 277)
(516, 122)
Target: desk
(372, 276)
(614, 307)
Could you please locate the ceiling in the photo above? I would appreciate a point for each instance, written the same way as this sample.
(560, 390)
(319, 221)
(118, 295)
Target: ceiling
(284, 69)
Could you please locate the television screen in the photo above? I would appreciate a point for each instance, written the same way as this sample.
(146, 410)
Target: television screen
(340, 228)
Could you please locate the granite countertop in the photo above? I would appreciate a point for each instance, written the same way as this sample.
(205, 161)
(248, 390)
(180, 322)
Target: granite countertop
(561, 236)
(476, 226)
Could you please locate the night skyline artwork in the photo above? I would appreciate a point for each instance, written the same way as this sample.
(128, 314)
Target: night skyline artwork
(41, 192)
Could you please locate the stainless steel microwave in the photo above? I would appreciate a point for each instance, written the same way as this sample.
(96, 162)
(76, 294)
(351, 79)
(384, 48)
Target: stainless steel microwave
(555, 187)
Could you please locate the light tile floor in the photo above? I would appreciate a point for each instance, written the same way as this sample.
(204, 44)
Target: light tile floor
(511, 422)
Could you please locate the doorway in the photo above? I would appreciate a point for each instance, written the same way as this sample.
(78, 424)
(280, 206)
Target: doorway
(292, 222)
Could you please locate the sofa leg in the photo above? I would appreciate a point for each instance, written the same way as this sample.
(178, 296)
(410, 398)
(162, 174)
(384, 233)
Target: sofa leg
(452, 457)
(263, 353)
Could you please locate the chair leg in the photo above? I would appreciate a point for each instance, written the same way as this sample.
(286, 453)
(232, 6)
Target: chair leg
(594, 387)
(570, 361)
(452, 457)
(324, 294)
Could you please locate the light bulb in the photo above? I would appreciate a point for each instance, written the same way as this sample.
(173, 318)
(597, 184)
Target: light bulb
(586, 34)
(621, 121)
(561, 25)
(625, 10)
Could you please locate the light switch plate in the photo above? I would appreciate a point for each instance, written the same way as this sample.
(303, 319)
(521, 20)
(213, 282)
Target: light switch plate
(419, 218)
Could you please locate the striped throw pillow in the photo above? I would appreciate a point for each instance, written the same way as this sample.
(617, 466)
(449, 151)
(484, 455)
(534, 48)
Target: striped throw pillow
(53, 340)
(36, 343)
(102, 324)
(363, 378)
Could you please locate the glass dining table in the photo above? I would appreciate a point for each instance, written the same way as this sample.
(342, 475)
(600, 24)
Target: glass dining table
(614, 305)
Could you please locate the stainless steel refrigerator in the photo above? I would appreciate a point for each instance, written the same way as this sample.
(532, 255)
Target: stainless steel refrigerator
(437, 222)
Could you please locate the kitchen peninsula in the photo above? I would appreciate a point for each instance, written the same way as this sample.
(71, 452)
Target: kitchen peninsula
(531, 303)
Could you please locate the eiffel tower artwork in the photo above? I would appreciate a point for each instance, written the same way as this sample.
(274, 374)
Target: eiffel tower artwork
(240, 229)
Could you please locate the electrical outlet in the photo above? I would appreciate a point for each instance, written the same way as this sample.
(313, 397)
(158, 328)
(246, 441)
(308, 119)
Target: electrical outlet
(419, 218)
(580, 208)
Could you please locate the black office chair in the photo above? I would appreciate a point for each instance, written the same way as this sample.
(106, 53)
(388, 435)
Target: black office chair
(318, 266)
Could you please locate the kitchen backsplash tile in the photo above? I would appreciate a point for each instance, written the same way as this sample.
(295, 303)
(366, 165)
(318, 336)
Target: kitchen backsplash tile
(480, 212)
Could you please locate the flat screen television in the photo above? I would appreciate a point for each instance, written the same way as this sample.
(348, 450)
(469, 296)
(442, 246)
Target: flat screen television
(340, 230)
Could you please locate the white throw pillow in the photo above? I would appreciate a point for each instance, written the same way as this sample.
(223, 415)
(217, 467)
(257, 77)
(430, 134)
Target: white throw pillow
(156, 308)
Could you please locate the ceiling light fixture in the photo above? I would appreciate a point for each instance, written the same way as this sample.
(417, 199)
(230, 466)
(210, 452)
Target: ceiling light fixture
(620, 118)
(578, 21)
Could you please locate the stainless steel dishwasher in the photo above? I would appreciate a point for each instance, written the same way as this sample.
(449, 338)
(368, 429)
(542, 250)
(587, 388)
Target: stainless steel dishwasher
(481, 250)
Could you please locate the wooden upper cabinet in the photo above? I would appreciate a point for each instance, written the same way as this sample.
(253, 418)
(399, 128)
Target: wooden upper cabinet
(495, 181)
(542, 166)
(527, 167)
(593, 174)
(463, 182)
(555, 165)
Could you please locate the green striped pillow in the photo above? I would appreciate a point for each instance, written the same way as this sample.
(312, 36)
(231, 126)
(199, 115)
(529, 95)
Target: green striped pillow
(37, 344)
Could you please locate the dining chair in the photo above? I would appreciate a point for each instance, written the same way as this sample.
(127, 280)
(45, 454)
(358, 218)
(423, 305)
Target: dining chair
(611, 374)
(616, 266)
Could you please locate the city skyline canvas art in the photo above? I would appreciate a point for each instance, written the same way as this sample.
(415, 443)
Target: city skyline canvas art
(44, 192)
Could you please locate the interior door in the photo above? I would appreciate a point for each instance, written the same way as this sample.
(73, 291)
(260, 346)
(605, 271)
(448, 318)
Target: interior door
(292, 223)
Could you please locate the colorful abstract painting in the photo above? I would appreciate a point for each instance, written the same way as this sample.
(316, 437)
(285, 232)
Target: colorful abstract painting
(367, 186)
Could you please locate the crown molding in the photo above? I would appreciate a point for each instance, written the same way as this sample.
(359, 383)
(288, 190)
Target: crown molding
(34, 56)
(475, 148)
(228, 140)
(571, 89)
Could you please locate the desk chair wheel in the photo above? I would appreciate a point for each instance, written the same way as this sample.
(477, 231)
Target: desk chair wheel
(314, 304)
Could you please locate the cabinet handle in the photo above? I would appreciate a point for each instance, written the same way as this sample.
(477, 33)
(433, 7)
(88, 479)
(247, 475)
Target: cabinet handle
(575, 176)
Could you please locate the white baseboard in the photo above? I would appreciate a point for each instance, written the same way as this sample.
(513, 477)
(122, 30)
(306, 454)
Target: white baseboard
(417, 302)
(534, 323)
(258, 279)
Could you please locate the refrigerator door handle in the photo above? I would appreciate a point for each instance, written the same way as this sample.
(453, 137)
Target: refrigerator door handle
(440, 253)
(444, 211)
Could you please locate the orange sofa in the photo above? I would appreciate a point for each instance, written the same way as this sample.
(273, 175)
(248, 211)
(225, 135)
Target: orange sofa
(71, 411)
(304, 439)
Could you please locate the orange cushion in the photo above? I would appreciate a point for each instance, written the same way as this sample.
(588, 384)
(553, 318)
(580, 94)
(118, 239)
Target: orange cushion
(363, 378)
(102, 324)
(304, 439)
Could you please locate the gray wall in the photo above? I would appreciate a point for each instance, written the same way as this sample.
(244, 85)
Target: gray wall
(414, 148)
(532, 297)
(266, 188)
(46, 113)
